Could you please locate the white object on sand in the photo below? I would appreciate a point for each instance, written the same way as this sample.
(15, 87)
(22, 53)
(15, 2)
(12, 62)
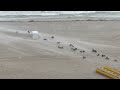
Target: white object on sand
(35, 34)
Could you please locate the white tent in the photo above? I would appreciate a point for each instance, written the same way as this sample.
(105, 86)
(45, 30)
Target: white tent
(35, 35)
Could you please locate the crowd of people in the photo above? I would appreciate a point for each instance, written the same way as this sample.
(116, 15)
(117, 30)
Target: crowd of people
(73, 48)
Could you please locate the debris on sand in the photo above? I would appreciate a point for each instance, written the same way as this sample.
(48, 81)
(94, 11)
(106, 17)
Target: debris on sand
(115, 60)
(61, 47)
(74, 48)
(107, 58)
(58, 42)
(103, 55)
(71, 45)
(84, 57)
(45, 39)
(52, 37)
(93, 50)
(82, 51)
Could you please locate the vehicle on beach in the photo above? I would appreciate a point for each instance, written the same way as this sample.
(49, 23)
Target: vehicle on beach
(35, 35)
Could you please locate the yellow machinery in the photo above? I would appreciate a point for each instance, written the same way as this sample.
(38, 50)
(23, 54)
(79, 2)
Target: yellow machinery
(108, 72)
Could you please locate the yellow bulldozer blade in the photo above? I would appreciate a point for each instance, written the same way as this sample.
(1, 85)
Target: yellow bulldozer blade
(108, 72)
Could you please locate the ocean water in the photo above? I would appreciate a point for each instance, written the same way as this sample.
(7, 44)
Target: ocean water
(65, 14)
(43, 13)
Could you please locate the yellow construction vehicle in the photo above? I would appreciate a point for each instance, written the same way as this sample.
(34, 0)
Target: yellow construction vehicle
(108, 72)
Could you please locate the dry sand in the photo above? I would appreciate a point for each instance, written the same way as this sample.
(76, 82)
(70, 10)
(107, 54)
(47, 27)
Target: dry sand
(24, 58)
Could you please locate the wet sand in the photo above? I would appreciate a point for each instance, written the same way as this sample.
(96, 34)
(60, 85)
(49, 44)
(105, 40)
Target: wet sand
(22, 57)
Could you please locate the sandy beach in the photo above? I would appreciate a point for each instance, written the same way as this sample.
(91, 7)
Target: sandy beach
(21, 57)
